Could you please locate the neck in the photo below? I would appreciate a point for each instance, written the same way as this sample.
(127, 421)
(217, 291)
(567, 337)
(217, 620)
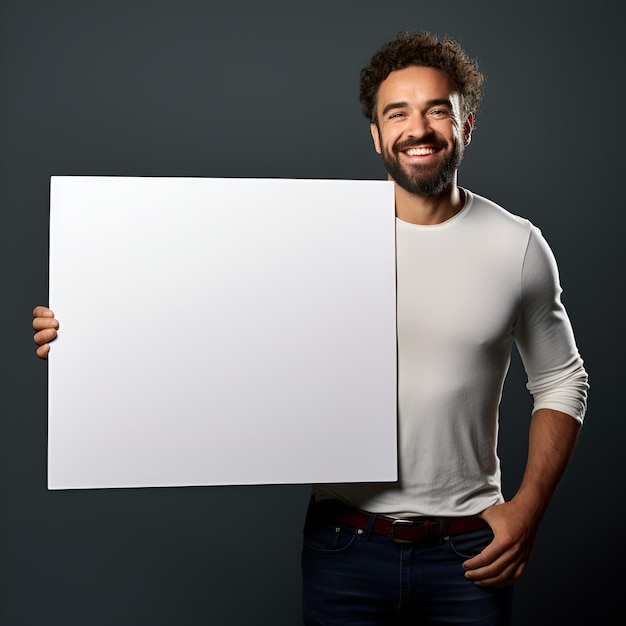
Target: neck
(428, 210)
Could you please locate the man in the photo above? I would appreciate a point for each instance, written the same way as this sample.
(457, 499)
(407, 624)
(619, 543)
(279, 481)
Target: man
(440, 545)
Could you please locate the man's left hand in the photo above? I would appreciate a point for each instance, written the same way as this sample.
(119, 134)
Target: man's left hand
(505, 558)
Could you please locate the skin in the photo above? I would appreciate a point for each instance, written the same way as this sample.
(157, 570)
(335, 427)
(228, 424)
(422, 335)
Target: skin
(420, 106)
(46, 326)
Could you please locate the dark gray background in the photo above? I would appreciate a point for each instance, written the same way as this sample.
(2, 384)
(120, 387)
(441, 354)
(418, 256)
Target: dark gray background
(269, 89)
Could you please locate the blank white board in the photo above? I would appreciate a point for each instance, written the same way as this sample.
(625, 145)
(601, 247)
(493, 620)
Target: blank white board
(221, 332)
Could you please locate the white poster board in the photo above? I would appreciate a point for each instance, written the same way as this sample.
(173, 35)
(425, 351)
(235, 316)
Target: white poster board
(221, 332)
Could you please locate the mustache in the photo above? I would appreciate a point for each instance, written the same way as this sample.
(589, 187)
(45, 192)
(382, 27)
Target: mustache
(416, 143)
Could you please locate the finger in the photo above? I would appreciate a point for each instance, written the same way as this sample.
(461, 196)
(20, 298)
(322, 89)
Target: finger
(489, 555)
(491, 567)
(505, 578)
(493, 575)
(503, 571)
(42, 351)
(44, 336)
(40, 323)
(520, 570)
(42, 311)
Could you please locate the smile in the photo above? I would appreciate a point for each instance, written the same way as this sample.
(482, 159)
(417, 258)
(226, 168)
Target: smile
(420, 151)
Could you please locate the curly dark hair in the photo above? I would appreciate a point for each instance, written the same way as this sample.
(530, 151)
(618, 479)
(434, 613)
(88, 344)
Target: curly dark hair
(428, 50)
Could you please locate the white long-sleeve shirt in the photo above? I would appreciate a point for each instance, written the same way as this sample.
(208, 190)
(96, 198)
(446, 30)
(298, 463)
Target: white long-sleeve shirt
(466, 289)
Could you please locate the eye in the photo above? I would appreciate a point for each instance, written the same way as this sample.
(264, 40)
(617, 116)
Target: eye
(395, 115)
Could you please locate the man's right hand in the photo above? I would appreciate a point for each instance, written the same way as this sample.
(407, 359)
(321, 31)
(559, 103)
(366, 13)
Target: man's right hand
(46, 326)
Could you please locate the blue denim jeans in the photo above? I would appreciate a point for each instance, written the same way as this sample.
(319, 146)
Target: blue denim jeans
(352, 578)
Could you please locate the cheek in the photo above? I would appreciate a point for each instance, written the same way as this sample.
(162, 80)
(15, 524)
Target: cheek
(387, 141)
(456, 130)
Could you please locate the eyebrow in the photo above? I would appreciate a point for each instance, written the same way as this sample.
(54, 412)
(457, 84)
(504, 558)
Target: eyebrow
(394, 105)
(431, 103)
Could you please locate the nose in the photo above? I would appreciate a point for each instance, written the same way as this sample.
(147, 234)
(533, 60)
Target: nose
(418, 126)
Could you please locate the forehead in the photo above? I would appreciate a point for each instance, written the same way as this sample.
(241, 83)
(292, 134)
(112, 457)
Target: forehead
(415, 84)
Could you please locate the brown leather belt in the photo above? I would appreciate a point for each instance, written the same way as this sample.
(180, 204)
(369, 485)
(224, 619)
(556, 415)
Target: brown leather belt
(412, 529)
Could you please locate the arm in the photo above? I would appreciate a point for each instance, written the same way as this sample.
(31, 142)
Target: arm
(558, 383)
(515, 523)
(46, 326)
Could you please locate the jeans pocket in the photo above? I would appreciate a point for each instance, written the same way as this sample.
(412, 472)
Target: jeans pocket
(470, 544)
(328, 537)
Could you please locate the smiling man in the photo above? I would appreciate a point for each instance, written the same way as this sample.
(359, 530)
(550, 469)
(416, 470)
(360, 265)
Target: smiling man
(418, 129)
(441, 546)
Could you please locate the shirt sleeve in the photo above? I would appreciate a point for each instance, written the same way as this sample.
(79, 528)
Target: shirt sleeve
(543, 333)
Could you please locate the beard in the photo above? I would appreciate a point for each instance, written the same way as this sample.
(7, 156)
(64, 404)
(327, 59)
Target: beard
(423, 180)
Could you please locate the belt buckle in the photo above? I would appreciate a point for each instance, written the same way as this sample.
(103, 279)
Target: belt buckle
(401, 522)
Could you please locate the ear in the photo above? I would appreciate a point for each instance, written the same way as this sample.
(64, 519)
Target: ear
(467, 129)
(375, 137)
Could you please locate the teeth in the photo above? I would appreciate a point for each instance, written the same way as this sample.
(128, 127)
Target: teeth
(420, 151)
